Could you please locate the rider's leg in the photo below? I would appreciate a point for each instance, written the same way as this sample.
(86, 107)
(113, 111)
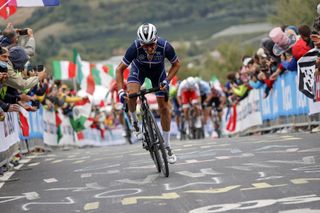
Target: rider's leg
(165, 116)
(133, 87)
(197, 109)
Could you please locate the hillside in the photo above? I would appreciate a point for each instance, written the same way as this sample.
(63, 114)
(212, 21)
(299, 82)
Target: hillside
(98, 28)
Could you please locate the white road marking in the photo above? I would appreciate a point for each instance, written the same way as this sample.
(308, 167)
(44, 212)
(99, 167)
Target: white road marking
(50, 180)
(68, 202)
(33, 164)
(87, 188)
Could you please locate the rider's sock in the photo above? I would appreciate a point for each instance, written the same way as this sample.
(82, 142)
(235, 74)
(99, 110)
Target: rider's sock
(208, 126)
(166, 138)
(134, 117)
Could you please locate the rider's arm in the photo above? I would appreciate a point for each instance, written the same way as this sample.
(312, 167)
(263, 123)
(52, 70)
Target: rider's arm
(119, 75)
(170, 54)
(130, 55)
(173, 69)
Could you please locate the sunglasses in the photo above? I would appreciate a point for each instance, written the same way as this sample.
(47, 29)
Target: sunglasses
(148, 45)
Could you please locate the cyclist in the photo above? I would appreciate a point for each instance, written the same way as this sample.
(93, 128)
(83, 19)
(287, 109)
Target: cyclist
(146, 56)
(117, 105)
(176, 107)
(216, 99)
(205, 91)
(189, 94)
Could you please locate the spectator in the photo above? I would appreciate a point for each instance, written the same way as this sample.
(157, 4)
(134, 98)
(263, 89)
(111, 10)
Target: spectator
(18, 58)
(283, 40)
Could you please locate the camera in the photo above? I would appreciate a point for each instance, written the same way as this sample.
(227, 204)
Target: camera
(35, 104)
(22, 31)
(38, 68)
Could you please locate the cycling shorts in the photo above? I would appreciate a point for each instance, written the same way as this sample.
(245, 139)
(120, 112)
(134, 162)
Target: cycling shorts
(156, 76)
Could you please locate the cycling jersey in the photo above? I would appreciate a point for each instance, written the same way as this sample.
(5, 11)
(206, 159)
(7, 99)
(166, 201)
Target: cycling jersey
(142, 67)
(204, 88)
(188, 93)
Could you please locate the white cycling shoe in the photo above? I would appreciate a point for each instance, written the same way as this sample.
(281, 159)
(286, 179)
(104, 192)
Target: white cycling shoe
(172, 158)
(136, 130)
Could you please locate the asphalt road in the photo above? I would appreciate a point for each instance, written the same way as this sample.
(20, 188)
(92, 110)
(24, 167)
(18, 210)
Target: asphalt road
(270, 173)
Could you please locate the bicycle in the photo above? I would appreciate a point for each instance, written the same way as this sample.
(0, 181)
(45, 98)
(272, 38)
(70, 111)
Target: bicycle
(152, 137)
(192, 132)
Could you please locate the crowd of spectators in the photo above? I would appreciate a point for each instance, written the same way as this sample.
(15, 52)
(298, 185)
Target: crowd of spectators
(279, 53)
(24, 83)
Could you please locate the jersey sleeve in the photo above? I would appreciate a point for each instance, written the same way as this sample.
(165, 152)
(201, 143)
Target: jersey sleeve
(170, 53)
(130, 55)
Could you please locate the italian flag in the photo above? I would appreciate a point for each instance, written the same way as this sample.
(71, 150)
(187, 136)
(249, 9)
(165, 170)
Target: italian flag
(101, 74)
(63, 70)
(81, 113)
(84, 74)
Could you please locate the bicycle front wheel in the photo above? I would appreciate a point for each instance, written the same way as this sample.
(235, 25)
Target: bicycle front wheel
(159, 146)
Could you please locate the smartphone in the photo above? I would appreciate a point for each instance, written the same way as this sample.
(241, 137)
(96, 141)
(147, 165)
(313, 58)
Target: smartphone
(40, 68)
(23, 32)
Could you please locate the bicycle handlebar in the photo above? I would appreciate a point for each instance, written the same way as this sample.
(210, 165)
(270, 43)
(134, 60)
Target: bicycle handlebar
(143, 92)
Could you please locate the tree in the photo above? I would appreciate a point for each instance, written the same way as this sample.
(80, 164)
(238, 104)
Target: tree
(295, 12)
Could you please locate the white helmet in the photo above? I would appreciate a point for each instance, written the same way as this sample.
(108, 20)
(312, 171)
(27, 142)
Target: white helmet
(190, 82)
(147, 33)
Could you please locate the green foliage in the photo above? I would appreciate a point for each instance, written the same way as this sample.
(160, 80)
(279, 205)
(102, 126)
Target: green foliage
(295, 12)
(96, 27)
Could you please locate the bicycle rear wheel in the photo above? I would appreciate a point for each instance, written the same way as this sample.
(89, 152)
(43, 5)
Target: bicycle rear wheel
(159, 146)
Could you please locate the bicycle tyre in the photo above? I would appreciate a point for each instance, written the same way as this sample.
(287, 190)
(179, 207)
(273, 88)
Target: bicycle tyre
(154, 153)
(164, 161)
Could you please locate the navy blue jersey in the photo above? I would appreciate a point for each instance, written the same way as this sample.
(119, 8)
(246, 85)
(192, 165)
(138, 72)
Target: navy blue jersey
(135, 54)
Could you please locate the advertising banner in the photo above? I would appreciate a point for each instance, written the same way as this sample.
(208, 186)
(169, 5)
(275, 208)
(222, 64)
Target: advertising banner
(9, 131)
(49, 128)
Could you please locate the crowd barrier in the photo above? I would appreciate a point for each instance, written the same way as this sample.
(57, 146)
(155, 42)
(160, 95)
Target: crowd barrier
(285, 106)
(43, 134)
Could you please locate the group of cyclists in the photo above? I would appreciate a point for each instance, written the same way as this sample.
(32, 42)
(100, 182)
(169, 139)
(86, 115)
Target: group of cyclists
(191, 99)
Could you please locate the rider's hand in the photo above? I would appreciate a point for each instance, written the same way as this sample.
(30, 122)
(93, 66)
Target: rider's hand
(164, 84)
(122, 96)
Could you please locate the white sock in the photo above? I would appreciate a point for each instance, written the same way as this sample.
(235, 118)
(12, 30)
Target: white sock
(134, 116)
(166, 138)
(208, 126)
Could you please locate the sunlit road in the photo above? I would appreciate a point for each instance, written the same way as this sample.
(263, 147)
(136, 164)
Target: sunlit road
(272, 173)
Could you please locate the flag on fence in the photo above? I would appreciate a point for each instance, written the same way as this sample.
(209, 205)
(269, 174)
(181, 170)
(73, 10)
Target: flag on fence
(232, 122)
(306, 70)
(58, 125)
(84, 74)
(34, 3)
(24, 124)
(63, 70)
(81, 113)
